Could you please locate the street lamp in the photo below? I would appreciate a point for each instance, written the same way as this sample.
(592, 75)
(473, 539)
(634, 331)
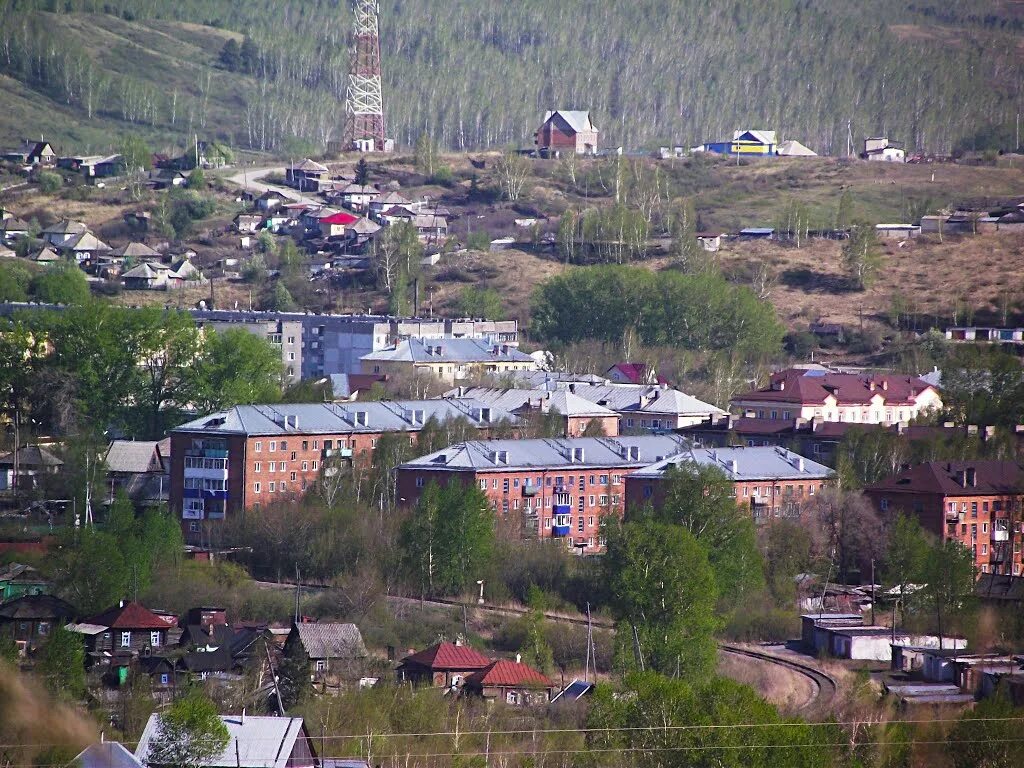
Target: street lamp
(480, 599)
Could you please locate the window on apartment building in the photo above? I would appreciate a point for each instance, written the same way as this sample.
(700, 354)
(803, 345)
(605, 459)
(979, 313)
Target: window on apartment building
(282, 467)
(515, 503)
(255, 487)
(775, 414)
(984, 549)
(316, 465)
(257, 446)
(590, 521)
(272, 466)
(984, 506)
(504, 485)
(963, 529)
(592, 479)
(785, 414)
(984, 527)
(984, 568)
(547, 522)
(292, 477)
(293, 456)
(283, 487)
(316, 445)
(305, 445)
(305, 466)
(974, 531)
(515, 483)
(974, 509)
(483, 485)
(272, 446)
(548, 502)
(494, 483)
(256, 467)
(272, 486)
(590, 500)
(603, 499)
(616, 479)
(328, 444)
(284, 445)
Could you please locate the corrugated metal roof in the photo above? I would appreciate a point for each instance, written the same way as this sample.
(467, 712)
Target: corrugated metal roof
(563, 401)
(512, 674)
(420, 350)
(448, 656)
(133, 456)
(579, 120)
(106, 754)
(552, 453)
(253, 741)
(745, 463)
(343, 418)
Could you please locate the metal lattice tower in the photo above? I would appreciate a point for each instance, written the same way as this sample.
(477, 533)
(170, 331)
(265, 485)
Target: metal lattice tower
(364, 100)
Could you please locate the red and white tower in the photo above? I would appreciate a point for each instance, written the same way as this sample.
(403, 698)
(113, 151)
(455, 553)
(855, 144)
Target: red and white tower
(364, 100)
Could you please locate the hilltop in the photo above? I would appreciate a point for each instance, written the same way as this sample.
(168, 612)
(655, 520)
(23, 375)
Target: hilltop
(939, 79)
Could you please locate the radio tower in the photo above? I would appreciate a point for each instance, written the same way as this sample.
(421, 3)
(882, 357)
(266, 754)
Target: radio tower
(364, 100)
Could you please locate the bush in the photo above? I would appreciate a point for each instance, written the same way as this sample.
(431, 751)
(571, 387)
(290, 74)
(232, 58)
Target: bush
(50, 182)
(762, 622)
(478, 241)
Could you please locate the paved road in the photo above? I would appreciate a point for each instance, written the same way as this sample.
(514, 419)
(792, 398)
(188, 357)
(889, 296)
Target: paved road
(251, 179)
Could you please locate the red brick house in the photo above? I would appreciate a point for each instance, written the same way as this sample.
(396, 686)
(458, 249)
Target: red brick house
(978, 503)
(443, 665)
(566, 131)
(771, 482)
(253, 455)
(511, 682)
(557, 488)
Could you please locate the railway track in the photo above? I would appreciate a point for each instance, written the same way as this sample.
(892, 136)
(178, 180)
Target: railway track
(825, 686)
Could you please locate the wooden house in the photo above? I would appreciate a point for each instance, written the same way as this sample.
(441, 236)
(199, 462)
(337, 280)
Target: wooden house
(511, 682)
(442, 665)
(566, 131)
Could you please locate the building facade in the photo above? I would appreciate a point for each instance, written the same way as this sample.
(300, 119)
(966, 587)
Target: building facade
(555, 488)
(449, 360)
(771, 482)
(567, 131)
(255, 455)
(824, 395)
(978, 503)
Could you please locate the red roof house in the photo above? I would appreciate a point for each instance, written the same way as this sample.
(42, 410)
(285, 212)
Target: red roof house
(335, 224)
(633, 373)
(126, 629)
(512, 682)
(443, 665)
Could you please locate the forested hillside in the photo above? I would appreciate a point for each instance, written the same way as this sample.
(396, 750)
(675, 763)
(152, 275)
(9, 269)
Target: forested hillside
(475, 73)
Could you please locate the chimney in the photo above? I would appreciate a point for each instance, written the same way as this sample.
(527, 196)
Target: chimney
(242, 721)
(885, 385)
(519, 658)
(120, 603)
(734, 466)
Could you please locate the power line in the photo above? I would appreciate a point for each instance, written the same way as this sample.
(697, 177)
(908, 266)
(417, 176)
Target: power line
(611, 729)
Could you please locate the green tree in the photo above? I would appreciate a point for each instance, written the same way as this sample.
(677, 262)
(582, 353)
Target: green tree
(280, 299)
(249, 56)
(14, 282)
(190, 734)
(426, 155)
(662, 592)
(293, 676)
(49, 182)
(536, 650)
(362, 172)
(197, 179)
(447, 540)
(862, 256)
(983, 386)
(138, 158)
(686, 251)
(702, 500)
(62, 663)
(85, 586)
(867, 456)
(234, 367)
(906, 561)
(230, 55)
(788, 553)
(988, 735)
(949, 591)
(844, 210)
(60, 283)
(483, 303)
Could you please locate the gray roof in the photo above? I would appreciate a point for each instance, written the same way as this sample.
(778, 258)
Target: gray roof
(66, 227)
(578, 120)
(563, 401)
(134, 456)
(330, 641)
(135, 250)
(557, 453)
(419, 350)
(343, 418)
(86, 241)
(106, 754)
(144, 271)
(555, 379)
(253, 741)
(745, 463)
(32, 456)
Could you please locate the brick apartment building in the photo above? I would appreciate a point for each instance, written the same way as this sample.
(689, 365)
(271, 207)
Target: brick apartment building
(978, 503)
(253, 455)
(771, 481)
(829, 396)
(558, 488)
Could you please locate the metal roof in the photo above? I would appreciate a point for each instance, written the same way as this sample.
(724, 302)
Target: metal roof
(330, 641)
(745, 463)
(554, 453)
(563, 401)
(253, 741)
(106, 754)
(133, 456)
(419, 350)
(577, 119)
(344, 418)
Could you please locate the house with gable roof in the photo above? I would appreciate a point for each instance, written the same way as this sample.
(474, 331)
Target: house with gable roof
(126, 629)
(442, 665)
(566, 130)
(511, 682)
(336, 652)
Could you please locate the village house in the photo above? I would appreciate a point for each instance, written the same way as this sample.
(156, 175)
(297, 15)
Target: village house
(512, 683)
(125, 630)
(307, 176)
(31, 153)
(566, 131)
(84, 249)
(384, 203)
(442, 665)
(829, 396)
(140, 469)
(254, 455)
(357, 197)
(147, 276)
(14, 229)
(986, 335)
(771, 482)
(710, 241)
(336, 223)
(336, 652)
(25, 468)
(976, 503)
(253, 742)
(63, 232)
(270, 200)
(248, 222)
(744, 142)
(557, 488)
(30, 619)
(450, 360)
(880, 149)
(167, 178)
(633, 373)
(430, 228)
(45, 256)
(17, 580)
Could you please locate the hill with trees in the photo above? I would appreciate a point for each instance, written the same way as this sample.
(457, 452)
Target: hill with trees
(272, 75)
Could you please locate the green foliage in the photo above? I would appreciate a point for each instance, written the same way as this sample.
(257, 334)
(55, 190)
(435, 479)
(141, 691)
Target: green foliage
(14, 282)
(702, 500)
(235, 367)
(60, 283)
(426, 155)
(867, 456)
(293, 676)
(137, 154)
(788, 552)
(988, 735)
(362, 172)
(949, 592)
(49, 182)
(983, 386)
(748, 732)
(906, 561)
(8, 649)
(230, 56)
(697, 312)
(661, 588)
(191, 734)
(447, 540)
(280, 299)
(254, 271)
(686, 251)
(197, 179)
(862, 256)
(62, 663)
(481, 303)
(608, 235)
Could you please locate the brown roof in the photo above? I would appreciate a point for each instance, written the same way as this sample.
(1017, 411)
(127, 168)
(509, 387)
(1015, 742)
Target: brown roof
(448, 656)
(991, 478)
(798, 386)
(129, 616)
(509, 674)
